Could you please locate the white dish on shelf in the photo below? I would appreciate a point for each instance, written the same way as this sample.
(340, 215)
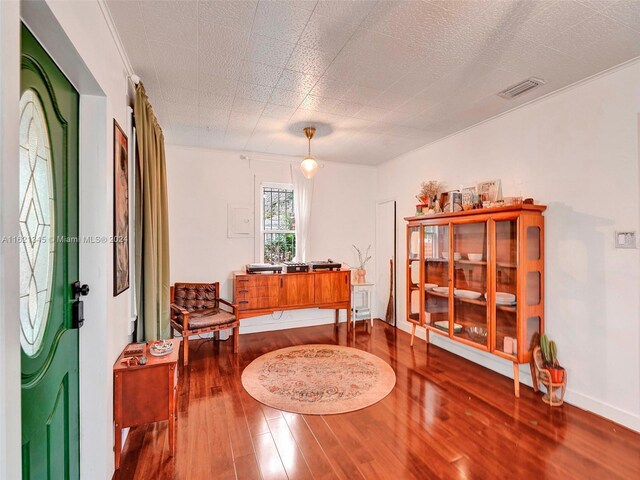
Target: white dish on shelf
(441, 290)
(474, 257)
(414, 242)
(469, 294)
(457, 256)
(445, 255)
(415, 273)
(504, 298)
(429, 286)
(415, 301)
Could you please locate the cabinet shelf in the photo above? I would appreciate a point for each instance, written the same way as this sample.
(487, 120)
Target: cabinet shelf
(472, 262)
(483, 303)
(469, 339)
(472, 301)
(436, 294)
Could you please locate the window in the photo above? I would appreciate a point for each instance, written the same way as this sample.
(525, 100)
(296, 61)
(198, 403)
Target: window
(277, 223)
(37, 209)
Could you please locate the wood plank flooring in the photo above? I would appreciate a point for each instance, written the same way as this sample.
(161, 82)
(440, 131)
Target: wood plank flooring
(446, 418)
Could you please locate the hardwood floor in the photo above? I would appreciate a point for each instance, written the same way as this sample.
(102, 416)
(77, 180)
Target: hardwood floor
(446, 418)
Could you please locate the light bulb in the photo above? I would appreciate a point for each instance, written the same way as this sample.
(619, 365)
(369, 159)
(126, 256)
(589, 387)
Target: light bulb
(309, 166)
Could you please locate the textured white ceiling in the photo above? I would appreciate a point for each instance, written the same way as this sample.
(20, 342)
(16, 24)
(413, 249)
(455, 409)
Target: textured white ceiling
(386, 76)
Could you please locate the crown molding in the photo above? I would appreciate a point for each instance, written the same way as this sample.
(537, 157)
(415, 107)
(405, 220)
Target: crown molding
(116, 36)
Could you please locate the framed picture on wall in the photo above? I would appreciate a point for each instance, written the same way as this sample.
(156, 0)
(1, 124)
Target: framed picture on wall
(120, 210)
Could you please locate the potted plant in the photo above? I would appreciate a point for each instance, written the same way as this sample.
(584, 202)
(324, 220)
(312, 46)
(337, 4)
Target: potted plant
(549, 351)
(361, 271)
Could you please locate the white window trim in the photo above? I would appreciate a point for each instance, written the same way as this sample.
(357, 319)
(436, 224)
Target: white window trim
(259, 207)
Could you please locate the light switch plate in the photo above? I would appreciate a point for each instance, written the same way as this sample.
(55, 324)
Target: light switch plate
(626, 240)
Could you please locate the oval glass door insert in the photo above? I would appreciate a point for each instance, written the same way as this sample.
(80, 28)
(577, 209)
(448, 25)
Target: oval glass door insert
(37, 233)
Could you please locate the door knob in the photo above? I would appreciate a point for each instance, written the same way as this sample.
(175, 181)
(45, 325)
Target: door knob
(78, 306)
(80, 290)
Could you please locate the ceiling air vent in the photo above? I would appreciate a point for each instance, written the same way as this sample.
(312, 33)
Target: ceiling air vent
(522, 87)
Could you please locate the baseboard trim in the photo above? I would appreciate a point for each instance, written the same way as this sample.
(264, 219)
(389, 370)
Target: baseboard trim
(504, 367)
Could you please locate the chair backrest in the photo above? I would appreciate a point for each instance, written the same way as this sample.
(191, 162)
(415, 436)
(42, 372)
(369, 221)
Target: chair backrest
(537, 358)
(541, 372)
(196, 296)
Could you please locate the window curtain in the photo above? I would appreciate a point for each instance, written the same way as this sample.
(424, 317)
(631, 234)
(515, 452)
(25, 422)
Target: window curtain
(152, 225)
(302, 196)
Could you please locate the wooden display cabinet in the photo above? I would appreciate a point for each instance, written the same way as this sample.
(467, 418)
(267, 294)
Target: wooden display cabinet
(477, 277)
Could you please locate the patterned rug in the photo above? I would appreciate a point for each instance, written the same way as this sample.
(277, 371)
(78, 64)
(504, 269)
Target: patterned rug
(318, 379)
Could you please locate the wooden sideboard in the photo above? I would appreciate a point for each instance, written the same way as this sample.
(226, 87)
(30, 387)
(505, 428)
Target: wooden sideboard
(144, 394)
(262, 294)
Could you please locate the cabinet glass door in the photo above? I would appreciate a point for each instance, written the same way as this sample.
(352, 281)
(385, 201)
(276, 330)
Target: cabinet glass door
(435, 246)
(413, 275)
(506, 286)
(469, 258)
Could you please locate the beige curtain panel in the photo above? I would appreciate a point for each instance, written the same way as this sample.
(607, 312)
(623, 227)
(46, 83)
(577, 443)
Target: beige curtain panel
(152, 224)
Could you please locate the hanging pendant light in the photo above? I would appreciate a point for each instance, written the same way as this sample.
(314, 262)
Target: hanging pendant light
(309, 166)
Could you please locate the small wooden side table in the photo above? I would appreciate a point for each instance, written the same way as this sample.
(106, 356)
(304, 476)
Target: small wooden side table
(363, 309)
(144, 394)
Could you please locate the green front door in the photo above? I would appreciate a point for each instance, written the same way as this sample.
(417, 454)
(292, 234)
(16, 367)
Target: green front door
(48, 266)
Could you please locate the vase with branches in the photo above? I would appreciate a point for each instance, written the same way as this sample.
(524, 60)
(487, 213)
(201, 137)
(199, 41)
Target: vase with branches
(428, 192)
(361, 271)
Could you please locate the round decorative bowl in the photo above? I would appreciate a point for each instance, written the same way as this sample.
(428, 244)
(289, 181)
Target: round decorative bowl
(477, 334)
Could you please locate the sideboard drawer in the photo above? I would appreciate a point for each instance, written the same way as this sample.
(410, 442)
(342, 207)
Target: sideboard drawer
(256, 280)
(251, 303)
(250, 291)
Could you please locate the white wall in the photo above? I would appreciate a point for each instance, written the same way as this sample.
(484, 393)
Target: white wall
(78, 38)
(202, 182)
(577, 152)
(10, 416)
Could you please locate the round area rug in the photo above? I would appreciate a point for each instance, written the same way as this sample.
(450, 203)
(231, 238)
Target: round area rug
(318, 379)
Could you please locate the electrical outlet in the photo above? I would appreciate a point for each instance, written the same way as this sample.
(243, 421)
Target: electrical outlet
(626, 240)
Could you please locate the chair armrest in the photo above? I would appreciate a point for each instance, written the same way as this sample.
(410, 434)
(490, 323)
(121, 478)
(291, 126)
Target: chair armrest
(234, 307)
(183, 312)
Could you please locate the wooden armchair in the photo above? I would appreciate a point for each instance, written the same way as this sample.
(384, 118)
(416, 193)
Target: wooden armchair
(195, 309)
